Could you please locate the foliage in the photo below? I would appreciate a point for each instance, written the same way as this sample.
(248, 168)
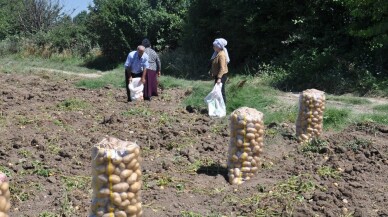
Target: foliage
(8, 20)
(38, 15)
(121, 25)
(335, 45)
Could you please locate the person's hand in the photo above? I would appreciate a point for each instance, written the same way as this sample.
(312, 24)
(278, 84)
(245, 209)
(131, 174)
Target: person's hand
(143, 80)
(159, 74)
(219, 81)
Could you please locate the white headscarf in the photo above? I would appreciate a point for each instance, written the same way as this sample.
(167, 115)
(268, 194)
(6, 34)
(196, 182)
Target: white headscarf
(221, 43)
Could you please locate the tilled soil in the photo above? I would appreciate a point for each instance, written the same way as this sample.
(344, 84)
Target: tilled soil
(48, 127)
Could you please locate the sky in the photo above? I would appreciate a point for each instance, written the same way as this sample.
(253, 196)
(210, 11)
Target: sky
(75, 5)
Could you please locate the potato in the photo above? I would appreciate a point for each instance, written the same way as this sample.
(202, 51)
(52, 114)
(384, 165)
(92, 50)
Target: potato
(121, 187)
(117, 160)
(120, 214)
(114, 179)
(4, 187)
(131, 210)
(246, 164)
(3, 203)
(125, 174)
(116, 199)
(128, 158)
(132, 164)
(250, 136)
(104, 192)
(131, 195)
(135, 187)
(251, 130)
(7, 194)
(110, 168)
(102, 178)
(122, 166)
(125, 203)
(7, 206)
(132, 179)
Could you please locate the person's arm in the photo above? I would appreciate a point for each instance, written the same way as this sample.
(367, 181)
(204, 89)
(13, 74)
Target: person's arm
(223, 68)
(145, 65)
(158, 64)
(127, 66)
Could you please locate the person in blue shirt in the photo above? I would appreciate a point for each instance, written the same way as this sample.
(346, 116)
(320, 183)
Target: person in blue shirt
(136, 67)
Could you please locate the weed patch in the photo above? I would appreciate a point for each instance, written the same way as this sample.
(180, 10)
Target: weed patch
(381, 108)
(138, 111)
(316, 145)
(349, 99)
(326, 171)
(72, 104)
(358, 144)
(336, 119)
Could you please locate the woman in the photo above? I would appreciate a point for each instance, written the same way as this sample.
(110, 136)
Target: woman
(153, 71)
(220, 60)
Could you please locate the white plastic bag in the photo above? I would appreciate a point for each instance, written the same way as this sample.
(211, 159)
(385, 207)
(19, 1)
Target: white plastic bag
(136, 88)
(215, 102)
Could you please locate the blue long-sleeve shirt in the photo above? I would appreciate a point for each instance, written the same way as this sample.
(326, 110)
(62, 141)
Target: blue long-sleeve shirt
(136, 64)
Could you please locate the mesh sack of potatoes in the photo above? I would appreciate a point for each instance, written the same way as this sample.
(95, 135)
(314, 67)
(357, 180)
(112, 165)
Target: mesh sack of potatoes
(5, 203)
(116, 179)
(246, 144)
(310, 118)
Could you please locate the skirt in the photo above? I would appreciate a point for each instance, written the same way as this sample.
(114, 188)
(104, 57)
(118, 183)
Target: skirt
(151, 84)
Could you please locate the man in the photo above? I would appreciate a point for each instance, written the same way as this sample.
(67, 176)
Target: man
(135, 67)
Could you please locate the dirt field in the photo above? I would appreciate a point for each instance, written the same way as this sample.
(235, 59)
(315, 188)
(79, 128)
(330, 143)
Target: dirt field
(48, 127)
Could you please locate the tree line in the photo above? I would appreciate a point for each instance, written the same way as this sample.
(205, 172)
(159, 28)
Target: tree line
(334, 45)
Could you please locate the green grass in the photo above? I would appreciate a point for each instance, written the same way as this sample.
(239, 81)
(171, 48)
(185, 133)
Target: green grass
(334, 118)
(326, 171)
(168, 82)
(190, 214)
(381, 108)
(76, 182)
(286, 195)
(349, 99)
(17, 63)
(47, 214)
(137, 111)
(8, 172)
(375, 118)
(114, 78)
(240, 91)
(72, 104)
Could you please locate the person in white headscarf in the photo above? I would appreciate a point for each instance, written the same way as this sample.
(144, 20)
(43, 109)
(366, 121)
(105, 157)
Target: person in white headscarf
(219, 66)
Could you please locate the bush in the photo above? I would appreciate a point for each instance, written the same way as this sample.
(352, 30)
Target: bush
(186, 65)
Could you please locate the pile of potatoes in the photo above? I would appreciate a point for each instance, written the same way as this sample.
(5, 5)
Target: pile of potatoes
(310, 118)
(5, 204)
(116, 179)
(246, 144)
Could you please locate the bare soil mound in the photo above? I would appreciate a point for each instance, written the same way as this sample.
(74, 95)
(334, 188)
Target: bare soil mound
(48, 127)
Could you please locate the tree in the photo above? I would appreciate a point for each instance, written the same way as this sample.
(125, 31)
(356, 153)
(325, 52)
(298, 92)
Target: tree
(39, 15)
(121, 25)
(8, 9)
